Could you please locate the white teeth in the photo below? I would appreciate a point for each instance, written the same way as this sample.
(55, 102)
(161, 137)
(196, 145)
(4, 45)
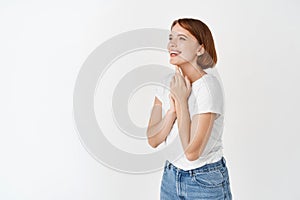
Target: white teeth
(175, 52)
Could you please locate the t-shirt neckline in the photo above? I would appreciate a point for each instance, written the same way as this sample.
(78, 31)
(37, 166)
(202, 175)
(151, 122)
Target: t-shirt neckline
(199, 79)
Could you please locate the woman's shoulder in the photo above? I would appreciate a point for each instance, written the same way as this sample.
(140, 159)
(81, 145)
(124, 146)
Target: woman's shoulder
(208, 80)
(211, 84)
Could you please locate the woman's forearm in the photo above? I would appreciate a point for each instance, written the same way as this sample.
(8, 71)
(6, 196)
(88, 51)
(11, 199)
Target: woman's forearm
(184, 123)
(159, 128)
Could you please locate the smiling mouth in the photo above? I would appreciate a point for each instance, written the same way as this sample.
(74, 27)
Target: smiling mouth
(174, 53)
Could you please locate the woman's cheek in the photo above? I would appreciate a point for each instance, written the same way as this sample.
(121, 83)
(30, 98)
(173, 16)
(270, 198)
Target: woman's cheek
(184, 57)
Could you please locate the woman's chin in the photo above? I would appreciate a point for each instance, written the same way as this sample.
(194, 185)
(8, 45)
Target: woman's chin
(174, 62)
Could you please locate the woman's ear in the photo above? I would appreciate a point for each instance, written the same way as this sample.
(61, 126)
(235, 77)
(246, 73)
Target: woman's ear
(201, 50)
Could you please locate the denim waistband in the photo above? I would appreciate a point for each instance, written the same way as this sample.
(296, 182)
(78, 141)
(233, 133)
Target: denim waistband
(205, 168)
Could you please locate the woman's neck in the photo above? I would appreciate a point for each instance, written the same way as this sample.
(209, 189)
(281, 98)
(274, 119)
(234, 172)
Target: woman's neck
(192, 72)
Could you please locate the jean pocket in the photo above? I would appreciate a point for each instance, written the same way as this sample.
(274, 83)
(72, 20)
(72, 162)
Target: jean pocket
(209, 179)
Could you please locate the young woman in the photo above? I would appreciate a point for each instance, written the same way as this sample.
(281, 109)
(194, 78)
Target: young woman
(195, 113)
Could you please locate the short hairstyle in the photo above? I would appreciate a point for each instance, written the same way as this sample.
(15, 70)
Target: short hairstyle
(202, 33)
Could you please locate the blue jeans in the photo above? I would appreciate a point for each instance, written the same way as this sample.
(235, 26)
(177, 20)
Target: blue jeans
(209, 182)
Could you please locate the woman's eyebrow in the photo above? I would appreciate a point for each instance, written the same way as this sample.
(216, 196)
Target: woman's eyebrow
(179, 35)
(183, 35)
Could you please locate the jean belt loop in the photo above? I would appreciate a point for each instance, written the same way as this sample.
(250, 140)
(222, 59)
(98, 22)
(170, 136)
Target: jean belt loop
(223, 161)
(166, 164)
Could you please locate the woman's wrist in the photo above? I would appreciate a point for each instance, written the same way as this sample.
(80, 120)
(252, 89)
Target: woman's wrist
(181, 103)
(171, 111)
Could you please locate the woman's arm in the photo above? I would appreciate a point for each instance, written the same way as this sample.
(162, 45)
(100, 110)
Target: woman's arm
(193, 134)
(158, 127)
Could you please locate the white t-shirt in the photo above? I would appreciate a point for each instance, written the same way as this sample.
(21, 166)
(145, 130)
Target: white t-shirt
(206, 96)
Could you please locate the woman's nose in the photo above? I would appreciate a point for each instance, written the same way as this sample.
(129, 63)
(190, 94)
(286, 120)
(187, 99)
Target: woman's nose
(172, 44)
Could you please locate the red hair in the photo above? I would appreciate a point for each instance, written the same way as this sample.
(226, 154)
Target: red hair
(202, 33)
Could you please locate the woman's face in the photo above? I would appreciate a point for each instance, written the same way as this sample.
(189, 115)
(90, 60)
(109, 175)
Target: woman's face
(182, 46)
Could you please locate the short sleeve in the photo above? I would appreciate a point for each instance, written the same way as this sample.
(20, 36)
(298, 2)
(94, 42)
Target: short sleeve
(209, 98)
(159, 92)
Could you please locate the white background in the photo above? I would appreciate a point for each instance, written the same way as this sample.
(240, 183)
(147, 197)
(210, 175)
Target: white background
(43, 45)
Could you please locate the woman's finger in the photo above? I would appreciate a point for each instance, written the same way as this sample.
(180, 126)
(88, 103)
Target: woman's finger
(177, 69)
(173, 78)
(187, 82)
(180, 71)
(176, 78)
(180, 79)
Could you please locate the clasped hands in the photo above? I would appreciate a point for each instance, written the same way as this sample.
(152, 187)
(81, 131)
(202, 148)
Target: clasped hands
(180, 90)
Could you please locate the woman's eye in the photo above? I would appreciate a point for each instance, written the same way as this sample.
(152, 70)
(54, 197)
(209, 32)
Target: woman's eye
(182, 38)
